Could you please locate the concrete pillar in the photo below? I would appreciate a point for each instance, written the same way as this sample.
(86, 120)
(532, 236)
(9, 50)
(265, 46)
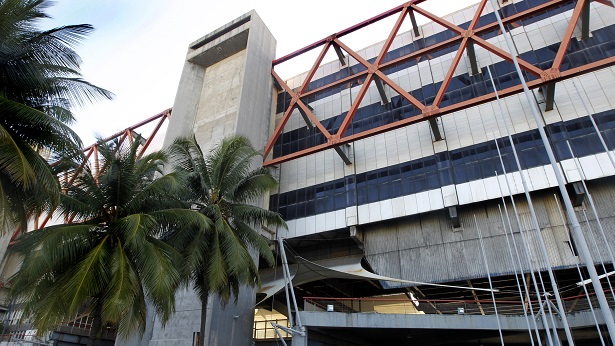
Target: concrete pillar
(299, 340)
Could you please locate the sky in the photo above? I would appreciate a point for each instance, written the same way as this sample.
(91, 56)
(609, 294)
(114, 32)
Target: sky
(139, 46)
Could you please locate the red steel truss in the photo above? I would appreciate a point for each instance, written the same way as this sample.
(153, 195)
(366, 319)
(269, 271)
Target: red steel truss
(92, 155)
(428, 112)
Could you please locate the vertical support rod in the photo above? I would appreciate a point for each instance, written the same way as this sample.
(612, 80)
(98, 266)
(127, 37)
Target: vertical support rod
(512, 258)
(495, 307)
(575, 226)
(591, 203)
(591, 117)
(530, 206)
(290, 283)
(286, 283)
(589, 302)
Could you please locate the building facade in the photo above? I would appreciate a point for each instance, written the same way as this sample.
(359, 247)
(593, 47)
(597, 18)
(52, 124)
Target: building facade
(396, 159)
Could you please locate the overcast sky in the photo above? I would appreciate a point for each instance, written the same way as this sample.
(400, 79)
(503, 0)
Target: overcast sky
(139, 46)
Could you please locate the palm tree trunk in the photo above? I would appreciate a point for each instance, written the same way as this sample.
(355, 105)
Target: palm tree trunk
(203, 319)
(96, 323)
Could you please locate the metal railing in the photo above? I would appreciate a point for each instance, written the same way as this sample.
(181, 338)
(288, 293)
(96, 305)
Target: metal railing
(264, 329)
(387, 305)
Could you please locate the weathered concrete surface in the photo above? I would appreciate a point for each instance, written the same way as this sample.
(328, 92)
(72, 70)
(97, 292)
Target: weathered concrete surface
(225, 89)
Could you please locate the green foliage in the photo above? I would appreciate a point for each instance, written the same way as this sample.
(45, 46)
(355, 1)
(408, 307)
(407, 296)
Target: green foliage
(110, 259)
(39, 83)
(223, 186)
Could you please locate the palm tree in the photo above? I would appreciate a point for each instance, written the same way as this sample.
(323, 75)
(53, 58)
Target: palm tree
(39, 83)
(223, 186)
(109, 259)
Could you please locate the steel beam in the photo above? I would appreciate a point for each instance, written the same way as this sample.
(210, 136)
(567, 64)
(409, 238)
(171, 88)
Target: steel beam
(376, 71)
(576, 14)
(446, 110)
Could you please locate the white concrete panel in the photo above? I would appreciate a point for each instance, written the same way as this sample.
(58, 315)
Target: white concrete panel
(329, 221)
(398, 207)
(550, 175)
(321, 225)
(570, 170)
(517, 187)
(363, 216)
(351, 216)
(300, 227)
(537, 178)
(605, 163)
(340, 218)
(492, 188)
(422, 202)
(464, 194)
(478, 190)
(410, 204)
(502, 183)
(292, 229)
(590, 167)
(310, 225)
(449, 195)
(435, 199)
(374, 212)
(386, 209)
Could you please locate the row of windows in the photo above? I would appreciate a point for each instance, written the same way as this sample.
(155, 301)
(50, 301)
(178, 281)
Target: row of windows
(462, 88)
(421, 43)
(451, 167)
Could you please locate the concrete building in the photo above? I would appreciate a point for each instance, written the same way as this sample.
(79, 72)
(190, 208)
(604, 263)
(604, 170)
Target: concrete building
(388, 159)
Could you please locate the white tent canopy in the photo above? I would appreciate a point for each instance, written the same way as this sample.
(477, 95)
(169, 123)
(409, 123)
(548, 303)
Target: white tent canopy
(349, 267)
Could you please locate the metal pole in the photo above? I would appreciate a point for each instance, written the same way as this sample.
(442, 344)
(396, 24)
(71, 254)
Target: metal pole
(530, 206)
(290, 284)
(543, 247)
(576, 263)
(277, 331)
(591, 117)
(521, 294)
(575, 226)
(546, 294)
(286, 283)
(495, 307)
(593, 239)
(589, 196)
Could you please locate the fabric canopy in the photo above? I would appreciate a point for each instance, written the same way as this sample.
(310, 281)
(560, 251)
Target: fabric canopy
(304, 271)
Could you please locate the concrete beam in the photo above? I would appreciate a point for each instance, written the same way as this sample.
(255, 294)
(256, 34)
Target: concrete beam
(472, 56)
(357, 235)
(454, 215)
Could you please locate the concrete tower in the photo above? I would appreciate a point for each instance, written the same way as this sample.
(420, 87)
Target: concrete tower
(225, 89)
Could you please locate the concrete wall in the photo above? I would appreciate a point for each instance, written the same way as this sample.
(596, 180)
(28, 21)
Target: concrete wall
(427, 248)
(225, 89)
